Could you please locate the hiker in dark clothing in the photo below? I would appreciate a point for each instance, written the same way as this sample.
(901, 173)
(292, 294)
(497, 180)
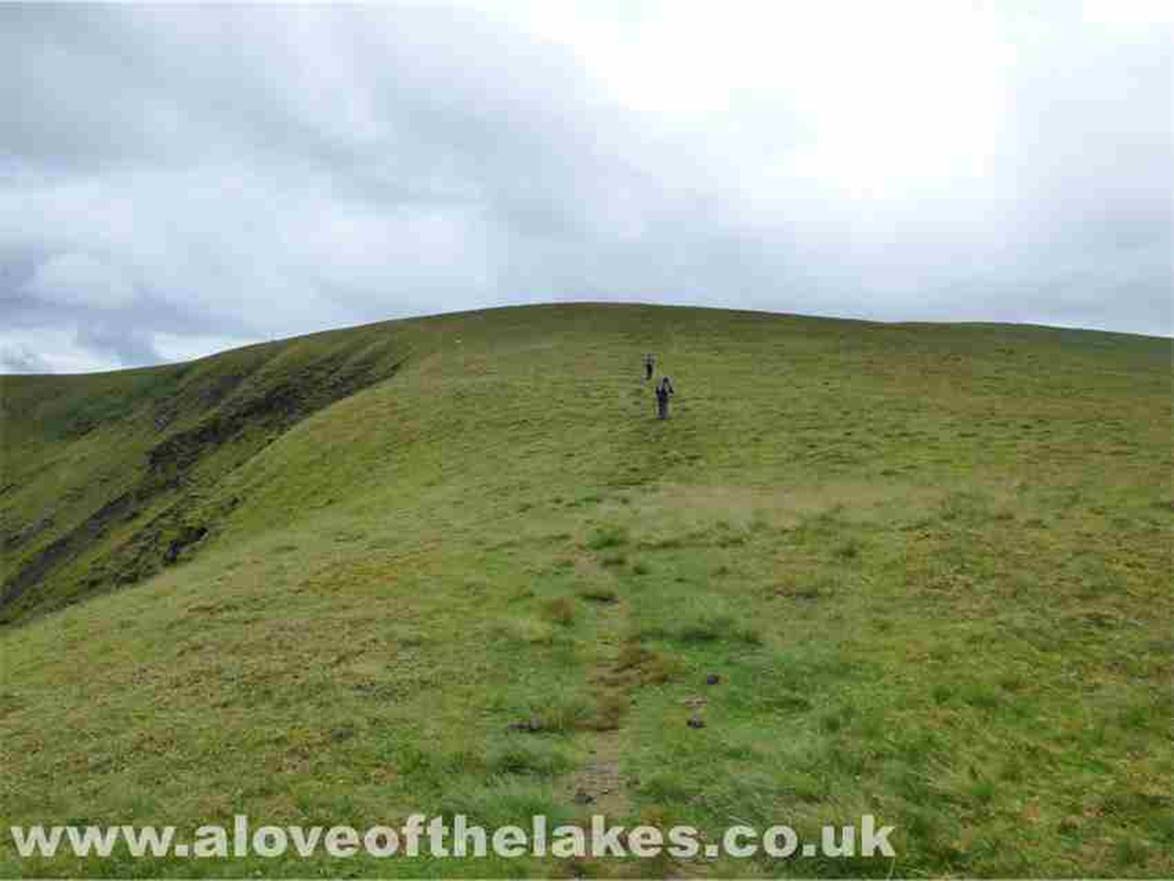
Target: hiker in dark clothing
(649, 362)
(664, 390)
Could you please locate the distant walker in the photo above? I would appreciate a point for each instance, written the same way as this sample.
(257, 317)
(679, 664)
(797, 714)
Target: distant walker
(649, 363)
(664, 390)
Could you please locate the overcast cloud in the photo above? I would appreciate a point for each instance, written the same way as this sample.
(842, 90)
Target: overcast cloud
(178, 180)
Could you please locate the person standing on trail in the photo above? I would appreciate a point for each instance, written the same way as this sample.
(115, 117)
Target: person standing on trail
(649, 363)
(664, 389)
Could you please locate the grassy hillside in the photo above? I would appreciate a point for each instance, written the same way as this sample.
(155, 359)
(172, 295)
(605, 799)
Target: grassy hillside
(455, 565)
(108, 477)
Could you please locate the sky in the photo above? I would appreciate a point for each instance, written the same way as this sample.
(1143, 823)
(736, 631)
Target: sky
(178, 180)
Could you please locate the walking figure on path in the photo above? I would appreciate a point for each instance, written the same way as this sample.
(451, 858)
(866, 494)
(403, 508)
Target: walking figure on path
(649, 363)
(664, 389)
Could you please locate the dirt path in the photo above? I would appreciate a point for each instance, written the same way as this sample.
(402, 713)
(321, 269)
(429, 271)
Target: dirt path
(599, 786)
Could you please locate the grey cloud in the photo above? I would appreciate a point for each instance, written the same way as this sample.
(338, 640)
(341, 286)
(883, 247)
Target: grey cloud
(246, 172)
(130, 345)
(21, 359)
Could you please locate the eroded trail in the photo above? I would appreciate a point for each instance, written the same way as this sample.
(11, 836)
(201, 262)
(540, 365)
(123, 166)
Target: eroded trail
(598, 786)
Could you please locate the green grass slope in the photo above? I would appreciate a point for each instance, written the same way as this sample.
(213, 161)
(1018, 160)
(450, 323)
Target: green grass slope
(107, 477)
(930, 564)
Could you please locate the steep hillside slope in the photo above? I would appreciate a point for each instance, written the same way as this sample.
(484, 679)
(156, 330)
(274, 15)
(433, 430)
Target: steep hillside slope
(105, 477)
(468, 571)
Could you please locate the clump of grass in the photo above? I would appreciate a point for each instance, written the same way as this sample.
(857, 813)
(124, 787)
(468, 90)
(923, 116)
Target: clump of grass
(730, 540)
(636, 664)
(788, 702)
(631, 654)
(553, 714)
(598, 594)
(616, 559)
(560, 610)
(536, 757)
(967, 506)
(982, 791)
(497, 803)
(659, 668)
(610, 708)
(710, 628)
(522, 630)
(837, 719)
(848, 550)
(1011, 682)
(805, 591)
(565, 713)
(669, 785)
(979, 695)
(609, 536)
(663, 544)
(702, 618)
